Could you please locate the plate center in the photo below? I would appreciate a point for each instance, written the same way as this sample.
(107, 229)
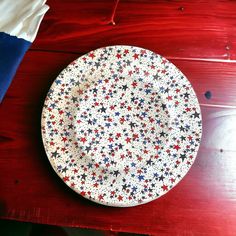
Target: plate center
(121, 123)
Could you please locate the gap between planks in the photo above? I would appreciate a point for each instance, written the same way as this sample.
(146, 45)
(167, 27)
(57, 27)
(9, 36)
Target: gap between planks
(168, 57)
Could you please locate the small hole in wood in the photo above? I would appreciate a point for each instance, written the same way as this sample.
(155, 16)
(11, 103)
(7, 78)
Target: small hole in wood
(181, 8)
(208, 94)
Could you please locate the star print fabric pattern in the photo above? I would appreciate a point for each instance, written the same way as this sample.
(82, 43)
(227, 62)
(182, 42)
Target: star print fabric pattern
(121, 125)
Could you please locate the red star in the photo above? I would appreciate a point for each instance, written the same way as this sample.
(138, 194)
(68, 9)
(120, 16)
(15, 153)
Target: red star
(143, 51)
(118, 135)
(126, 51)
(151, 120)
(140, 158)
(63, 149)
(126, 170)
(64, 139)
(134, 84)
(91, 55)
(128, 140)
(135, 56)
(145, 151)
(120, 198)
(122, 120)
(163, 71)
(164, 187)
(66, 178)
(176, 147)
(83, 139)
(80, 91)
(118, 55)
(110, 139)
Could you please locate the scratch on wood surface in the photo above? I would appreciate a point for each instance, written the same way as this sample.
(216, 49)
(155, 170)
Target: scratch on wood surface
(114, 12)
(201, 59)
(217, 105)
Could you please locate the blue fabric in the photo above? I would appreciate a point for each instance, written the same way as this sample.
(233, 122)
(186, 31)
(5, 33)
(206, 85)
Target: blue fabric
(12, 50)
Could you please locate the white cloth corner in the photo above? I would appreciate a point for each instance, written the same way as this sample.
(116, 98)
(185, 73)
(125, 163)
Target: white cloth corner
(21, 18)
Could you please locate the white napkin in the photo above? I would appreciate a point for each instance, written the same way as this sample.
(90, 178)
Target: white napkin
(21, 18)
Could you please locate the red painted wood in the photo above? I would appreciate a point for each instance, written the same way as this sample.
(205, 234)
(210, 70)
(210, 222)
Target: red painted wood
(192, 29)
(194, 39)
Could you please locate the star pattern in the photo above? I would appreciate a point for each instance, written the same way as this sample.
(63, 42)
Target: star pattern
(121, 125)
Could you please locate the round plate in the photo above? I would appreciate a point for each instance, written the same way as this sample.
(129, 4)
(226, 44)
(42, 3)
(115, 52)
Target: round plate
(121, 125)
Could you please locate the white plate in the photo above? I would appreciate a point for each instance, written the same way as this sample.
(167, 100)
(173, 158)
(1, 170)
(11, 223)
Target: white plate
(121, 125)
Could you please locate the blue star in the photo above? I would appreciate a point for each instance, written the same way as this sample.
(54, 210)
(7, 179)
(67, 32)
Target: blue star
(53, 105)
(90, 165)
(68, 114)
(117, 113)
(133, 164)
(187, 126)
(141, 177)
(107, 125)
(144, 114)
(106, 159)
(156, 175)
(134, 189)
(147, 91)
(58, 81)
(162, 89)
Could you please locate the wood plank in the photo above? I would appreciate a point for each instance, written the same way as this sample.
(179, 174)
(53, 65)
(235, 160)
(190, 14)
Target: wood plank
(199, 29)
(31, 191)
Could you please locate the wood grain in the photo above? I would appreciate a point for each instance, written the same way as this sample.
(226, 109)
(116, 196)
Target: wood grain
(31, 191)
(199, 29)
(199, 38)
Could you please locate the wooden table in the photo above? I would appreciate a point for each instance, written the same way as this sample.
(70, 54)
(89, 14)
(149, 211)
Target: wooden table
(199, 37)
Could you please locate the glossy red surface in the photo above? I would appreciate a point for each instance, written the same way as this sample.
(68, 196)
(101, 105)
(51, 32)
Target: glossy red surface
(198, 37)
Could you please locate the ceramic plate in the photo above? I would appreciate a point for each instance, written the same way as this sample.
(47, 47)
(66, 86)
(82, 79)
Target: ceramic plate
(121, 125)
